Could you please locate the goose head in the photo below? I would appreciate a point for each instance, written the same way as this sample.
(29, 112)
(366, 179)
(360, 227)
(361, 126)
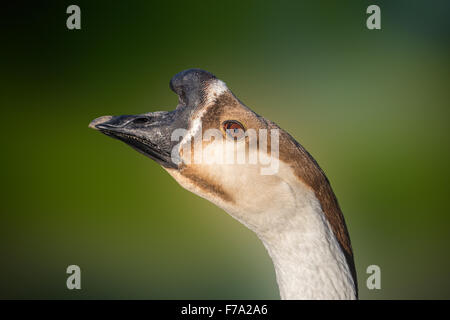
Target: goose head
(216, 147)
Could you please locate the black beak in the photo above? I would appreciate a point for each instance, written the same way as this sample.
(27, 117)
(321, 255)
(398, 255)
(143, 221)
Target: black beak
(148, 133)
(151, 133)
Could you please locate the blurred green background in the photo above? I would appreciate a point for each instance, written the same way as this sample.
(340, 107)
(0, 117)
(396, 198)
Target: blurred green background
(371, 106)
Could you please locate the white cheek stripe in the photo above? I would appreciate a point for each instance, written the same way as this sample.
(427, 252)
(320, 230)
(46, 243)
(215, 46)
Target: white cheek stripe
(213, 91)
(195, 128)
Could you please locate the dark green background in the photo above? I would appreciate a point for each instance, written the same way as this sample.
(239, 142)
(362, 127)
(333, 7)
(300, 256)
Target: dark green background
(371, 106)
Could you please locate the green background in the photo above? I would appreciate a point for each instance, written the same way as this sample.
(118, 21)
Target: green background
(371, 106)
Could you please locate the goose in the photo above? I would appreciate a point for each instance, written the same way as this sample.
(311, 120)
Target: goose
(290, 206)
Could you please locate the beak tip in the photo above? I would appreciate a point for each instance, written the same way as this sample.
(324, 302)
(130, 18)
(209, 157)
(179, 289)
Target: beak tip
(94, 123)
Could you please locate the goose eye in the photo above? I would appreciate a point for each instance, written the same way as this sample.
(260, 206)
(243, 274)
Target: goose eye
(234, 129)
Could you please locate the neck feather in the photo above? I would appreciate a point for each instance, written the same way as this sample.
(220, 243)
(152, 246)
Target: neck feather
(307, 257)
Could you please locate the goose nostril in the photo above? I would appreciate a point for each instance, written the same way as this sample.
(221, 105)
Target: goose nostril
(140, 120)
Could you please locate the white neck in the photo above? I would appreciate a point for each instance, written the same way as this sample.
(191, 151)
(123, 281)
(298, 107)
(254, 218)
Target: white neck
(287, 216)
(308, 260)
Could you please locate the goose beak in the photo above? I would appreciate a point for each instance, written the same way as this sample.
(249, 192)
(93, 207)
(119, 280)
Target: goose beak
(151, 133)
(148, 133)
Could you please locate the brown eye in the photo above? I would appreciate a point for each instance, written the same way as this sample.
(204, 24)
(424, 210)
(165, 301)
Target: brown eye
(234, 129)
